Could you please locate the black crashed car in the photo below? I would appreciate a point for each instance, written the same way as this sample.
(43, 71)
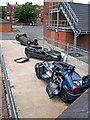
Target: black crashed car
(44, 53)
(24, 40)
(62, 80)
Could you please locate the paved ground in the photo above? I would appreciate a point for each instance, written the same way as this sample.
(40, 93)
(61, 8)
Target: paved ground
(29, 93)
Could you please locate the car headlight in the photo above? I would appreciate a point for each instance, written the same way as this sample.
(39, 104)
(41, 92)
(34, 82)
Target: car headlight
(79, 82)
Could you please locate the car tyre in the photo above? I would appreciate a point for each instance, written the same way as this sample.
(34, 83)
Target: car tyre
(28, 55)
(64, 96)
(21, 43)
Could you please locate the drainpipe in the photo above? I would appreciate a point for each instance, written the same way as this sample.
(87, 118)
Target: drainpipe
(75, 43)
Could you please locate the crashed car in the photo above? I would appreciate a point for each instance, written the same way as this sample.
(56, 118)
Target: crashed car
(86, 79)
(62, 80)
(24, 40)
(44, 53)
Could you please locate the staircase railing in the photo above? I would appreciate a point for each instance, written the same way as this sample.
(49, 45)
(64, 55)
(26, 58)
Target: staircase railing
(61, 23)
(70, 11)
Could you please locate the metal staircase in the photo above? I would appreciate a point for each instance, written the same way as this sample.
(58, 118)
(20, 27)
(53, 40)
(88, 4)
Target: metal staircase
(70, 16)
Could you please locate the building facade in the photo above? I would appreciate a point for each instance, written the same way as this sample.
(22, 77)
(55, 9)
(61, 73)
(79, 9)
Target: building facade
(5, 26)
(10, 12)
(67, 22)
(39, 17)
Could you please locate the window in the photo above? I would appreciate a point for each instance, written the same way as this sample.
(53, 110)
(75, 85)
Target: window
(8, 17)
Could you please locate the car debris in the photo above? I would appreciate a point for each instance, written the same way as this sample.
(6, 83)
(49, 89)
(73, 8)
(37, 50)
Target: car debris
(62, 80)
(21, 60)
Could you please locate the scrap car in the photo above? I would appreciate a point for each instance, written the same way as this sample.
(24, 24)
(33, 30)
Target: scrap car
(24, 40)
(44, 53)
(62, 80)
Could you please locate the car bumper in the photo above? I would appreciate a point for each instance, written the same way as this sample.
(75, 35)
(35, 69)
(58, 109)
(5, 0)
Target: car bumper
(72, 97)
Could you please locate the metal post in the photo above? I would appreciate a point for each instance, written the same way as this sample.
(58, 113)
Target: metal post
(75, 43)
(57, 19)
(88, 62)
(67, 49)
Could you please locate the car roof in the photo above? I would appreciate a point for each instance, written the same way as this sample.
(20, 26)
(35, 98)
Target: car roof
(64, 65)
(35, 47)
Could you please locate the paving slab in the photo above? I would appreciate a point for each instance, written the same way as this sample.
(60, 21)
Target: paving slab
(29, 93)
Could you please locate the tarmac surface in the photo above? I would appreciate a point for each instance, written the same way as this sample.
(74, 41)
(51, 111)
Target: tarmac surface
(31, 31)
(29, 93)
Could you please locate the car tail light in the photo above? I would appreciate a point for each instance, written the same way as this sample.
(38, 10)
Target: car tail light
(75, 89)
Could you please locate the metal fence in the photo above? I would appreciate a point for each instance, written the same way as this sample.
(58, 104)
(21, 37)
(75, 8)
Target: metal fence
(81, 54)
(9, 95)
(61, 23)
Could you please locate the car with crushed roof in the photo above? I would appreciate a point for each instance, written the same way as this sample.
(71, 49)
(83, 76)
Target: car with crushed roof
(39, 52)
(24, 40)
(62, 80)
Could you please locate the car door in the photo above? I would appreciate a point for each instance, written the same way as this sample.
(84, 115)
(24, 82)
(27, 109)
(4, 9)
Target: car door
(54, 86)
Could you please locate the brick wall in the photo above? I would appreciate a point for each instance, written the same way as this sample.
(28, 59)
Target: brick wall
(83, 41)
(5, 27)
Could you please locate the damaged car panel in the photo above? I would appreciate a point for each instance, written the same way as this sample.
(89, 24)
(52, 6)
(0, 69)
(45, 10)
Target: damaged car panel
(62, 80)
(21, 60)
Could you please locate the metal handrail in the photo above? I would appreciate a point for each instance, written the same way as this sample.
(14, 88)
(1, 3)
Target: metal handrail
(73, 13)
(68, 7)
(13, 111)
(70, 10)
(61, 23)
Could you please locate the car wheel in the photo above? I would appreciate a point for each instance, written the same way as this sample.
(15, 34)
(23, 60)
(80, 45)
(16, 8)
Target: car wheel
(17, 37)
(21, 43)
(64, 96)
(37, 74)
(28, 55)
